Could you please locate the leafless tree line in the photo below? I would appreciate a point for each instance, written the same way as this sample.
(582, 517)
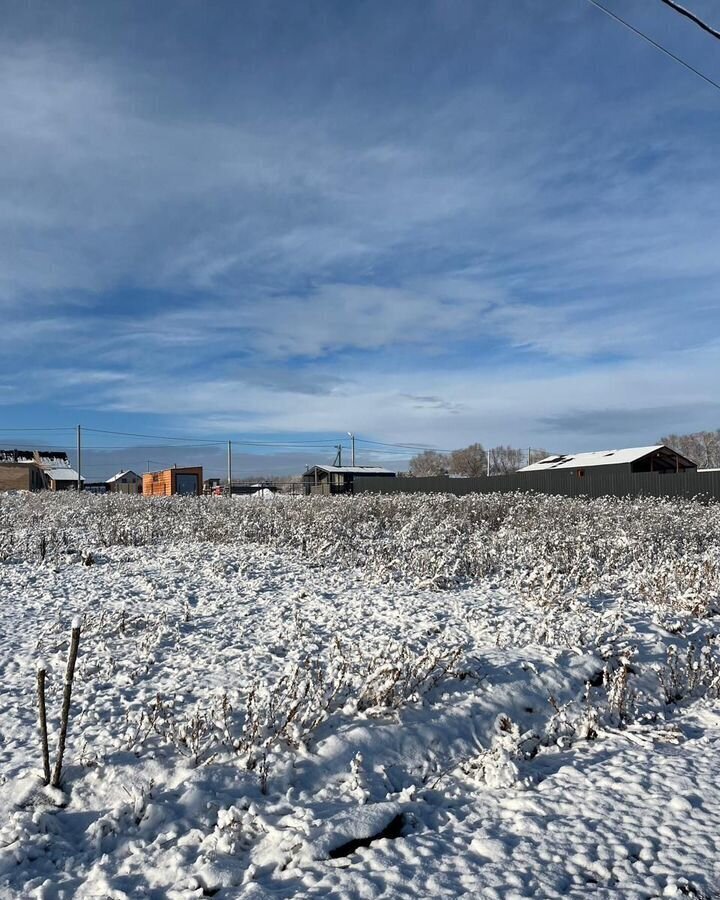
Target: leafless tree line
(702, 447)
(473, 461)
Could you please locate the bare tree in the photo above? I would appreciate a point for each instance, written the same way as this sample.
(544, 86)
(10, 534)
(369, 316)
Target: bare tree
(469, 461)
(506, 459)
(702, 447)
(535, 454)
(429, 462)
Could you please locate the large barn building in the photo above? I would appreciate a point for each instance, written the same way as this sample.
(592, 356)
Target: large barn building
(658, 458)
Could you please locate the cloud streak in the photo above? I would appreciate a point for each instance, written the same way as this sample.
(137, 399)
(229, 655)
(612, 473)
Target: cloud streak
(485, 248)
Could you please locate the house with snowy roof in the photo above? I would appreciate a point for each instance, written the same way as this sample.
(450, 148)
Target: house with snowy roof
(125, 482)
(59, 474)
(658, 458)
(338, 479)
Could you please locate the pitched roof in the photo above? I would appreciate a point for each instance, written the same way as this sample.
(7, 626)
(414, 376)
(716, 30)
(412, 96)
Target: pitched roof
(63, 473)
(122, 474)
(354, 470)
(594, 458)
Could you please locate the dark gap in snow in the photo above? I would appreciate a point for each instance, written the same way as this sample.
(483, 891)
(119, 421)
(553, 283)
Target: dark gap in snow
(392, 830)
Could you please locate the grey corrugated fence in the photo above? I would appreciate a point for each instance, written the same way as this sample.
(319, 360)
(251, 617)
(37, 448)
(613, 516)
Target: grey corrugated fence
(602, 483)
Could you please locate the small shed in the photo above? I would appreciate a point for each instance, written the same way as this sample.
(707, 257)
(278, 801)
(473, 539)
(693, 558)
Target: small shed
(186, 481)
(338, 479)
(658, 458)
(125, 482)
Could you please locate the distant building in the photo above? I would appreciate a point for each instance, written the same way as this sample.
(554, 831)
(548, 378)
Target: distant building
(19, 471)
(95, 487)
(35, 470)
(125, 482)
(186, 481)
(658, 458)
(59, 474)
(212, 486)
(338, 479)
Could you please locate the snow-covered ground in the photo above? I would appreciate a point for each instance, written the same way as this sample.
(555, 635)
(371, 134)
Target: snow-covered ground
(519, 693)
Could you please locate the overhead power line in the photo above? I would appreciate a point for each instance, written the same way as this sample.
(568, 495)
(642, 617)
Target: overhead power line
(693, 18)
(400, 446)
(154, 437)
(198, 441)
(654, 43)
(23, 430)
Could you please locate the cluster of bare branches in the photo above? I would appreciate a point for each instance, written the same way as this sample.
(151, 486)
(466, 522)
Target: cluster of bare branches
(702, 447)
(289, 711)
(474, 461)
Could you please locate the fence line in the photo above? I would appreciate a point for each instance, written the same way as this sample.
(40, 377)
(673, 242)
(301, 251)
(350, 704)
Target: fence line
(602, 483)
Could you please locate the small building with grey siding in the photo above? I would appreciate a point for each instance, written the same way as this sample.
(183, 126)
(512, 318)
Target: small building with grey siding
(339, 479)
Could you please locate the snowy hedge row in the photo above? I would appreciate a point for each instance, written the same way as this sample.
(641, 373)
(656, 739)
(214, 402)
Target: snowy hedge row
(548, 547)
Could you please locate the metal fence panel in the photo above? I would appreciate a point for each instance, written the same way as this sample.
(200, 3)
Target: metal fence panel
(603, 483)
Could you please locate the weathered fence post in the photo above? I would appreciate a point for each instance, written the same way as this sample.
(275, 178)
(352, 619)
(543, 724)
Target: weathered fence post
(41, 672)
(69, 673)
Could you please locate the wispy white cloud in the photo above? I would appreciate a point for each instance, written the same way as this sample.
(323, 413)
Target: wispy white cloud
(403, 263)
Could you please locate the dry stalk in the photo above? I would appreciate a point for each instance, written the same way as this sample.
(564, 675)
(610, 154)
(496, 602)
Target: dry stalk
(69, 673)
(41, 672)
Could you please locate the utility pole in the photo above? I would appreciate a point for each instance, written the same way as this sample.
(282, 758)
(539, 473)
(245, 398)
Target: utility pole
(338, 455)
(79, 460)
(352, 439)
(488, 462)
(229, 469)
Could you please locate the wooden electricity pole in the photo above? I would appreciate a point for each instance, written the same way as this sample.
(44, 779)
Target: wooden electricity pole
(229, 468)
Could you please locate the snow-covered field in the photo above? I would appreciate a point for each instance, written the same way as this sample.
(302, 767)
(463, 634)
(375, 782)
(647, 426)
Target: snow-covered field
(520, 693)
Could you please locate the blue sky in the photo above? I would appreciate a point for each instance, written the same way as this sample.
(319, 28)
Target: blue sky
(438, 222)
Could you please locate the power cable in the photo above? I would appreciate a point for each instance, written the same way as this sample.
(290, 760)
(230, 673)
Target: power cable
(654, 43)
(199, 441)
(155, 437)
(400, 446)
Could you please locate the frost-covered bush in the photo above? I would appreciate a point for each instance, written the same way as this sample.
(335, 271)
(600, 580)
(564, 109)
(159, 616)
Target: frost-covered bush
(286, 712)
(694, 672)
(545, 547)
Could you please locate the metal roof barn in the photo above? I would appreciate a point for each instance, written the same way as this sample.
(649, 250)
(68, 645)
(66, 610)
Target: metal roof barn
(657, 458)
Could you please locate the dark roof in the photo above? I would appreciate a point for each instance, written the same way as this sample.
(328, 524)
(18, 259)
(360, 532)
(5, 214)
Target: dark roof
(21, 456)
(352, 470)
